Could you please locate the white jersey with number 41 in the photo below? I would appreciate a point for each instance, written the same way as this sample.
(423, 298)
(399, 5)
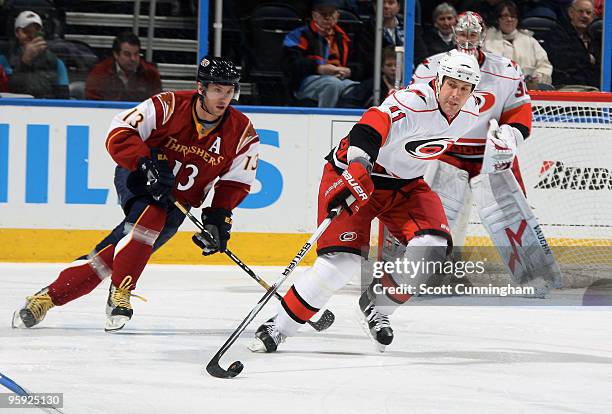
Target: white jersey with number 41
(414, 131)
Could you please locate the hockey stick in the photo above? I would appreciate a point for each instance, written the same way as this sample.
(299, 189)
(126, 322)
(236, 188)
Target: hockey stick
(327, 318)
(22, 392)
(213, 367)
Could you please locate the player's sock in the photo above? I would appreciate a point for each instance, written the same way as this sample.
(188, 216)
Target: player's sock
(131, 256)
(82, 276)
(135, 248)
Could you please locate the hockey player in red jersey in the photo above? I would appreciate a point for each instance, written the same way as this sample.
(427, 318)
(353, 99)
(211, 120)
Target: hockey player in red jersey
(173, 146)
(483, 161)
(380, 164)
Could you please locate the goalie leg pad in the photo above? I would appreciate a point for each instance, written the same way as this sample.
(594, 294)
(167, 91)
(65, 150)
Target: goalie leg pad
(451, 185)
(313, 288)
(515, 231)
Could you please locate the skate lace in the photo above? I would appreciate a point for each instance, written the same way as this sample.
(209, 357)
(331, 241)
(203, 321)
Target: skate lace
(274, 333)
(121, 295)
(380, 321)
(39, 305)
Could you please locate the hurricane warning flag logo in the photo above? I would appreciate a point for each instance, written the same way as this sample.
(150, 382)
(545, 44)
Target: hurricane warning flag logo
(428, 149)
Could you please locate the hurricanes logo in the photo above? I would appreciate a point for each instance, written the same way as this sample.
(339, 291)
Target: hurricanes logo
(556, 175)
(348, 236)
(485, 100)
(205, 62)
(427, 149)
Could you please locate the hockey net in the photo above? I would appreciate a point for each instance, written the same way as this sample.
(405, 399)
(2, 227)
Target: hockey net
(566, 166)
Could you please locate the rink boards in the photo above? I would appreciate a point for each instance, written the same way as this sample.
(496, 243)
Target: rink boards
(57, 199)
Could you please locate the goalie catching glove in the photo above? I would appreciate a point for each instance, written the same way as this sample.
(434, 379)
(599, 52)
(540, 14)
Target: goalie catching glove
(501, 146)
(218, 223)
(352, 189)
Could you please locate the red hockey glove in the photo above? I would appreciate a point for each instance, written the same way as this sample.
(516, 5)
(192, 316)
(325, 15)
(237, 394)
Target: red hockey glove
(351, 190)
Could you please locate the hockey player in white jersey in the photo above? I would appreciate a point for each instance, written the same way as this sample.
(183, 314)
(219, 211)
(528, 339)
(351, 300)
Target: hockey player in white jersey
(380, 166)
(484, 160)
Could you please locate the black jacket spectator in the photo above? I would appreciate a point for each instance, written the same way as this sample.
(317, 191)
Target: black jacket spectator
(435, 44)
(573, 63)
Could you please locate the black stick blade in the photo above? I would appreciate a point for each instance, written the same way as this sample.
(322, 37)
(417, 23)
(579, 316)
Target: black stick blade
(214, 369)
(326, 320)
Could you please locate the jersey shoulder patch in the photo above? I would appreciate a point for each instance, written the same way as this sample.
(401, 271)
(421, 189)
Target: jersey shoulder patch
(167, 102)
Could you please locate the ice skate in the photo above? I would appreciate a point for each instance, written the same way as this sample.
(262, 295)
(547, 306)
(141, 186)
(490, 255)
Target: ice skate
(34, 311)
(118, 307)
(375, 324)
(267, 337)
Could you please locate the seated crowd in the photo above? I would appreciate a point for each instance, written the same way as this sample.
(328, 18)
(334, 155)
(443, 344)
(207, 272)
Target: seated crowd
(327, 65)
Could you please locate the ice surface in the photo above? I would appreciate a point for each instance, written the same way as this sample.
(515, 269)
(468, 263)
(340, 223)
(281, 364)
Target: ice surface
(443, 359)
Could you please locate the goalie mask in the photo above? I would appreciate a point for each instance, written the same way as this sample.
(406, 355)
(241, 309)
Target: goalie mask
(460, 66)
(469, 32)
(219, 70)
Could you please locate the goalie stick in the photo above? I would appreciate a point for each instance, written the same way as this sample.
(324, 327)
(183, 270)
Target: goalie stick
(326, 319)
(213, 367)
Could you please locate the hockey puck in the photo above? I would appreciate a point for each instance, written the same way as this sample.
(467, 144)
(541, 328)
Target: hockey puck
(236, 368)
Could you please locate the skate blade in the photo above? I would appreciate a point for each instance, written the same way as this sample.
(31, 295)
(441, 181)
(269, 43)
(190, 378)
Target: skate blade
(17, 322)
(257, 345)
(115, 323)
(366, 329)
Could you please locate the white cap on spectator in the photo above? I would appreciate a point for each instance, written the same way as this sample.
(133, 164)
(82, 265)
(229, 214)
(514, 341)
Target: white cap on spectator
(26, 18)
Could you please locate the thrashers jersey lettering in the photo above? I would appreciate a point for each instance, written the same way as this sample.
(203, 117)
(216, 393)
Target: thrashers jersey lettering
(413, 130)
(228, 152)
(501, 95)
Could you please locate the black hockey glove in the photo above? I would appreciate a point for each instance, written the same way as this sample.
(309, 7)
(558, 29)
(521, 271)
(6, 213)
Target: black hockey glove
(158, 175)
(218, 222)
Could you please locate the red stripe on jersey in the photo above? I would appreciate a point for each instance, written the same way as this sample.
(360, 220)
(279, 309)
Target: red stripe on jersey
(411, 109)
(296, 307)
(378, 120)
(389, 285)
(471, 141)
(468, 112)
(519, 115)
(499, 76)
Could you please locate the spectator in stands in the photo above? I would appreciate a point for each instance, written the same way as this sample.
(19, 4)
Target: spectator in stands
(506, 39)
(316, 57)
(484, 8)
(5, 69)
(362, 96)
(571, 51)
(393, 28)
(440, 37)
(124, 76)
(36, 70)
(3, 80)
(599, 8)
